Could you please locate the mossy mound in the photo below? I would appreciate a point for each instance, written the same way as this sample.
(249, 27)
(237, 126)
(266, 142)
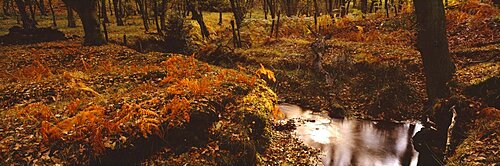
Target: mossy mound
(193, 108)
(17, 35)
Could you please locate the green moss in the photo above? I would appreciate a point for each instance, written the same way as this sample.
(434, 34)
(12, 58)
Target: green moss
(236, 146)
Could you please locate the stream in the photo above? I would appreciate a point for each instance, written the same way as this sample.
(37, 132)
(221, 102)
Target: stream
(354, 142)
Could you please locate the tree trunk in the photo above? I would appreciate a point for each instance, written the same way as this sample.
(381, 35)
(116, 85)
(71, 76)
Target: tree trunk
(6, 7)
(433, 46)
(104, 13)
(71, 18)
(163, 10)
(235, 36)
(364, 4)
(198, 15)
(118, 13)
(265, 9)
(28, 23)
(343, 11)
(105, 19)
(156, 10)
(372, 5)
(41, 6)
(316, 13)
(347, 7)
(278, 24)
(144, 13)
(146, 10)
(220, 17)
(238, 16)
(308, 11)
(330, 7)
(386, 6)
(110, 7)
(32, 10)
(87, 10)
(53, 15)
(272, 10)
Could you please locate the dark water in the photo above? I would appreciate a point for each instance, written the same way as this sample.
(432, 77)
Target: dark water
(355, 142)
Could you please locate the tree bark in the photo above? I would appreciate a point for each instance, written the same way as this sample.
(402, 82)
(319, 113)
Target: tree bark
(144, 13)
(372, 5)
(316, 13)
(308, 10)
(220, 17)
(265, 9)
(386, 6)
(163, 10)
(71, 17)
(41, 6)
(87, 10)
(343, 11)
(156, 10)
(118, 13)
(235, 36)
(104, 13)
(278, 24)
(110, 7)
(27, 22)
(433, 46)
(6, 7)
(272, 10)
(238, 16)
(32, 11)
(364, 5)
(53, 15)
(330, 7)
(198, 16)
(105, 19)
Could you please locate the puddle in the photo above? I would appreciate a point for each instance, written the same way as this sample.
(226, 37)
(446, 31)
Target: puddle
(355, 142)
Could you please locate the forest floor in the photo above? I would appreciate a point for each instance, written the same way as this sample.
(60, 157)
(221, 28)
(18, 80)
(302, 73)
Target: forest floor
(377, 71)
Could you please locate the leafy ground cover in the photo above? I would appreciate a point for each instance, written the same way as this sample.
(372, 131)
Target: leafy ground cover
(65, 103)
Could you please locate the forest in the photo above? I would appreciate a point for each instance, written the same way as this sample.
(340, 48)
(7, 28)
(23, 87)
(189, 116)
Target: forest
(250, 82)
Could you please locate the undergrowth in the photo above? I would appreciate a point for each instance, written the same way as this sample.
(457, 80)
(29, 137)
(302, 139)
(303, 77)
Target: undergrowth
(91, 126)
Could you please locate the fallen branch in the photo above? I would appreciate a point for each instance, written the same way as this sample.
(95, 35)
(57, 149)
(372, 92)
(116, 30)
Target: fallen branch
(450, 132)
